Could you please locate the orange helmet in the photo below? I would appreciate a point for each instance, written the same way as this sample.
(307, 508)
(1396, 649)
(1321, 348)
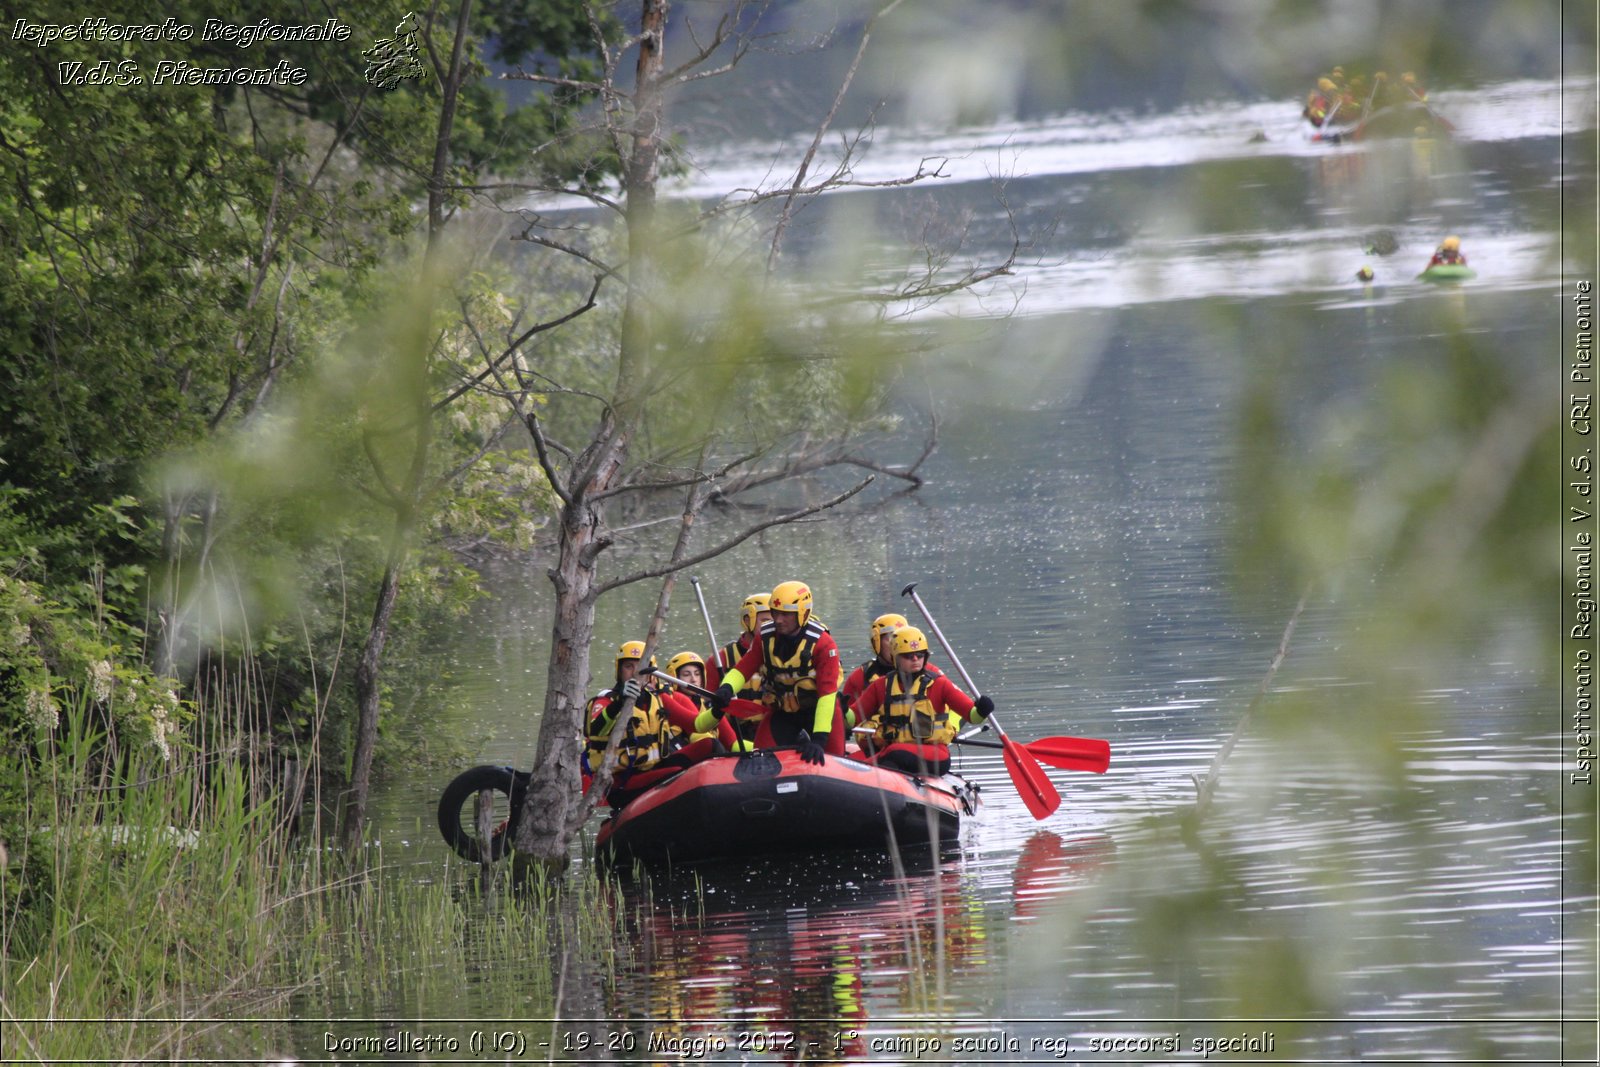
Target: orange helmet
(883, 626)
(792, 596)
(754, 604)
(909, 639)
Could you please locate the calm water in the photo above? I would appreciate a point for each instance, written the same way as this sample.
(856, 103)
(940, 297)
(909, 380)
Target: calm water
(1075, 542)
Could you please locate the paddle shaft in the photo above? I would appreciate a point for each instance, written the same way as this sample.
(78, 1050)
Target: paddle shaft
(690, 687)
(911, 591)
(1033, 785)
(698, 595)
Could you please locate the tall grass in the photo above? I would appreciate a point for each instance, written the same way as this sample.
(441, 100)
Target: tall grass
(142, 892)
(157, 912)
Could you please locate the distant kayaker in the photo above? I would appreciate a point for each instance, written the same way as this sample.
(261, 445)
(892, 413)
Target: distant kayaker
(799, 667)
(657, 741)
(1448, 254)
(916, 712)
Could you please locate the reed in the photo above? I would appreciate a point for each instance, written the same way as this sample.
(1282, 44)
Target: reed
(159, 898)
(142, 897)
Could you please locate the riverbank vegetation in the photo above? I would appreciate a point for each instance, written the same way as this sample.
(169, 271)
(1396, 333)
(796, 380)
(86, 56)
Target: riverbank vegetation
(229, 512)
(164, 902)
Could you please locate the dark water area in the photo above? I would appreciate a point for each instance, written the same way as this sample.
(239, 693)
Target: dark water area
(1085, 541)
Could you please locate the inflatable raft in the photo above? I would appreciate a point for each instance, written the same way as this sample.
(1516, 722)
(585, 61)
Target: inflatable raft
(773, 801)
(1398, 120)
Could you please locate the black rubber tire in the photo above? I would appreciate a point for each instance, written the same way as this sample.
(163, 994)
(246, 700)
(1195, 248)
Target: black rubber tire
(460, 792)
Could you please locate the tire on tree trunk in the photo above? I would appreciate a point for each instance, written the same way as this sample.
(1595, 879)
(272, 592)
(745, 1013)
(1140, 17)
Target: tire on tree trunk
(506, 787)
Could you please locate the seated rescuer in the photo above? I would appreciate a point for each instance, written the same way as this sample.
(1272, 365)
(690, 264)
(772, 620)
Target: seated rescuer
(657, 741)
(1448, 253)
(916, 712)
(799, 666)
(753, 614)
(881, 663)
(689, 667)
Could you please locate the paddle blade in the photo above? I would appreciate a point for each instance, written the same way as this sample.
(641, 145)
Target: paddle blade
(740, 708)
(1033, 785)
(1072, 753)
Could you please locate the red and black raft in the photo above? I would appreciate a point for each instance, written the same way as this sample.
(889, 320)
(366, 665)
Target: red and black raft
(772, 801)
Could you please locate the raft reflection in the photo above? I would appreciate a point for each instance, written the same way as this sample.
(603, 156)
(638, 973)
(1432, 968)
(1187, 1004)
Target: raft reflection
(811, 959)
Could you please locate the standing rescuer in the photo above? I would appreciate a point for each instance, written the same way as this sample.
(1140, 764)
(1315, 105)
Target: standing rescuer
(799, 667)
(915, 711)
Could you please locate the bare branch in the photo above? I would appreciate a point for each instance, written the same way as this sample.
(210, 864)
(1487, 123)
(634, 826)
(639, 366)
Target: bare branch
(545, 79)
(511, 349)
(467, 464)
(736, 540)
(822, 130)
(541, 448)
(528, 235)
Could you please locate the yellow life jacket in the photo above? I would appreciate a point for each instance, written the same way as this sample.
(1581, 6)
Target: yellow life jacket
(791, 681)
(730, 655)
(910, 717)
(647, 724)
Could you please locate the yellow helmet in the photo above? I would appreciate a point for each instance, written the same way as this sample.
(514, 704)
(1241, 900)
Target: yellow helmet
(792, 596)
(1326, 85)
(754, 604)
(1450, 244)
(884, 625)
(631, 650)
(683, 659)
(909, 639)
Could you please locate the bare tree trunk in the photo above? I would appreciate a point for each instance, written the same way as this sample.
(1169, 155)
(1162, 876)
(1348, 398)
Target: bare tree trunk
(550, 815)
(369, 670)
(550, 811)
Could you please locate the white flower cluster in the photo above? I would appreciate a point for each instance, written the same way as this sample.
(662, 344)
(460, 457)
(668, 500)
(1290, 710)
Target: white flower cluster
(163, 722)
(100, 679)
(42, 710)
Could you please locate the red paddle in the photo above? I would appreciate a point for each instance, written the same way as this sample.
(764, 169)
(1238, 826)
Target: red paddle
(1069, 753)
(1033, 785)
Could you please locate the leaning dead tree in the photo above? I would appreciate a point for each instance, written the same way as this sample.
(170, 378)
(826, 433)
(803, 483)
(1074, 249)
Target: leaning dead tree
(766, 380)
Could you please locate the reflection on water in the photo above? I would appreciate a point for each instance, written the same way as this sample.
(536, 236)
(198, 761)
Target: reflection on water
(827, 957)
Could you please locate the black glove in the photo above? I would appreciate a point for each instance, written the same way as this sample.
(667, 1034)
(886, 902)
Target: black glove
(721, 699)
(810, 751)
(983, 706)
(632, 692)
